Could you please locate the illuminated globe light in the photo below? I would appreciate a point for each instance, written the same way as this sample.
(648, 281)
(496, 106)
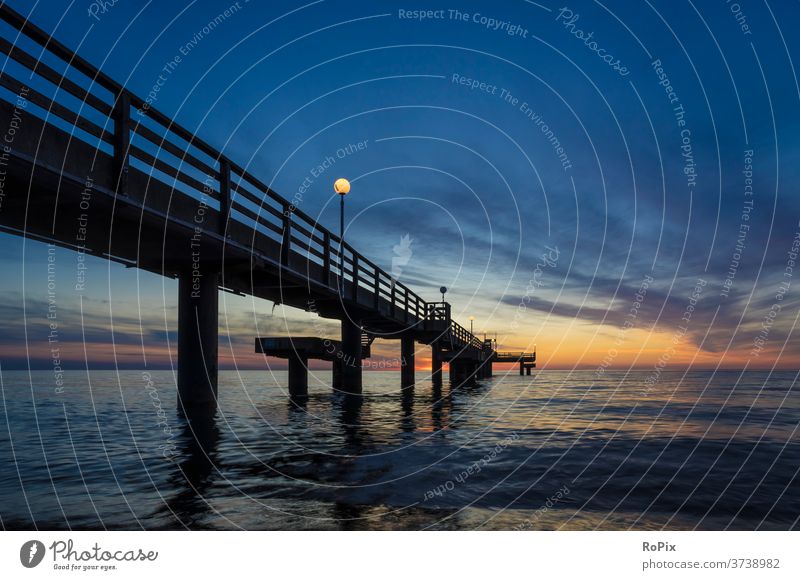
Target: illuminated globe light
(341, 186)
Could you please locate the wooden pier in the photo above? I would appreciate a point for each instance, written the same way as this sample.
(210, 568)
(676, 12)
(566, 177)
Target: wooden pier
(117, 179)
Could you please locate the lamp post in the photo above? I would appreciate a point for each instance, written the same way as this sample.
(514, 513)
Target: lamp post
(342, 187)
(471, 320)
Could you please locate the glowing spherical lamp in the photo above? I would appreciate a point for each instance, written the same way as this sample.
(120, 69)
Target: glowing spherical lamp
(341, 186)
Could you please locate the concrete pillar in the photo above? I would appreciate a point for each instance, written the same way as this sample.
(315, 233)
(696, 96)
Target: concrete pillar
(198, 307)
(351, 356)
(407, 361)
(298, 374)
(436, 366)
(452, 370)
(472, 370)
(521, 368)
(466, 370)
(528, 369)
(336, 374)
(462, 371)
(487, 368)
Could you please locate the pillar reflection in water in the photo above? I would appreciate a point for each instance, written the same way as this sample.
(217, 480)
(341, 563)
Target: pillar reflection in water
(196, 462)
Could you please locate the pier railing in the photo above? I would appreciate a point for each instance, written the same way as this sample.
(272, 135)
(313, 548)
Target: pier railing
(75, 96)
(511, 356)
(70, 93)
(461, 335)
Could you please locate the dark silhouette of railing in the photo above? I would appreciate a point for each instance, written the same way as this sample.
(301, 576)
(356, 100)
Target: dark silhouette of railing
(463, 338)
(508, 356)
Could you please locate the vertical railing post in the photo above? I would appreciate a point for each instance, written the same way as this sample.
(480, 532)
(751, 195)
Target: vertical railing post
(377, 288)
(405, 304)
(326, 257)
(355, 277)
(224, 195)
(122, 141)
(287, 234)
(340, 268)
(393, 297)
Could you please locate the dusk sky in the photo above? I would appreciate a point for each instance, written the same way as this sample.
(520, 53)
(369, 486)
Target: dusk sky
(572, 192)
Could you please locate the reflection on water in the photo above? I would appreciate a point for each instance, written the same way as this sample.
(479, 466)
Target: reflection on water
(700, 451)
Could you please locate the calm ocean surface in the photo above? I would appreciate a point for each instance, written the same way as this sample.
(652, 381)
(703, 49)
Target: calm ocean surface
(557, 450)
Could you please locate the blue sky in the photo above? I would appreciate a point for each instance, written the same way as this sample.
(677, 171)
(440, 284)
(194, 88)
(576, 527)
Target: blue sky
(470, 175)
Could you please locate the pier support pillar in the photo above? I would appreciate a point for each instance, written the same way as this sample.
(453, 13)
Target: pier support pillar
(473, 370)
(336, 374)
(298, 374)
(462, 371)
(457, 371)
(521, 368)
(351, 356)
(198, 307)
(407, 361)
(436, 366)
